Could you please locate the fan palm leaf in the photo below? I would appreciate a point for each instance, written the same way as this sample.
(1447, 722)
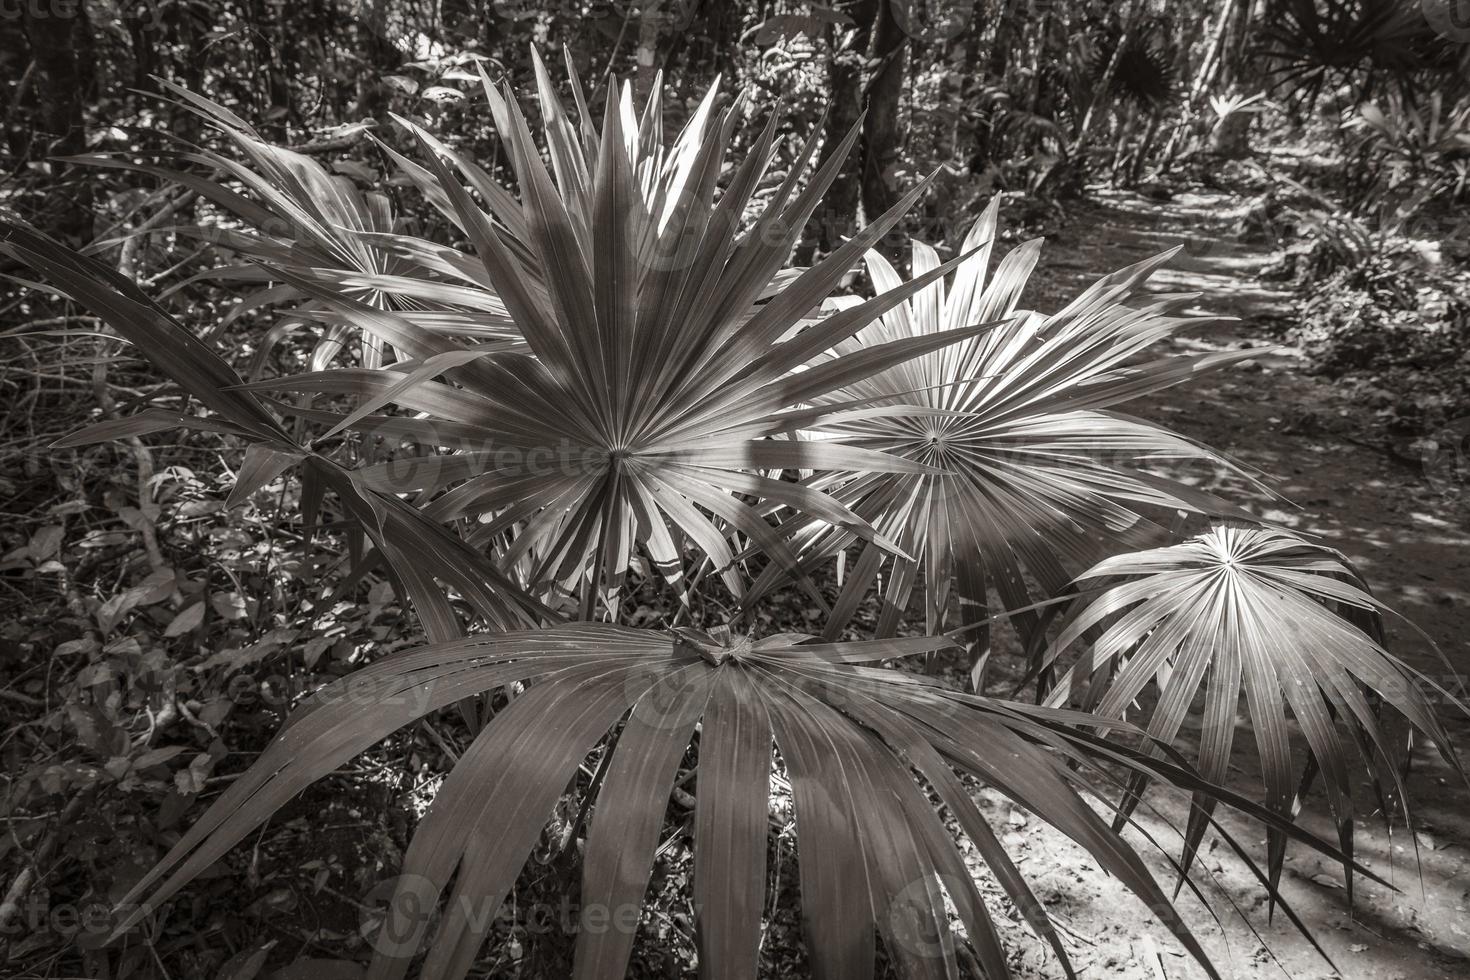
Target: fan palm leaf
(655, 372)
(638, 421)
(1036, 469)
(874, 858)
(1260, 611)
(283, 209)
(1144, 72)
(1308, 44)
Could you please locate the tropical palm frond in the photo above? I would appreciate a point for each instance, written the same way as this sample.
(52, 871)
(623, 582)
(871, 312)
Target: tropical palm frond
(862, 748)
(1227, 104)
(1036, 466)
(656, 370)
(1145, 73)
(283, 209)
(1260, 611)
(1309, 44)
(1423, 141)
(664, 346)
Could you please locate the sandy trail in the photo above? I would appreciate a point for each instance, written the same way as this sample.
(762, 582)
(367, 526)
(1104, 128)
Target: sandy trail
(1407, 532)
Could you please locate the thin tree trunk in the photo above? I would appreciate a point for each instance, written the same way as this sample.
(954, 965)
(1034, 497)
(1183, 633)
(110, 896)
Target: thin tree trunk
(1038, 55)
(1231, 138)
(144, 48)
(969, 68)
(59, 82)
(382, 57)
(996, 66)
(1233, 56)
(1120, 148)
(846, 51)
(1140, 155)
(1100, 96)
(888, 52)
(1213, 51)
(1005, 31)
(275, 92)
(59, 85)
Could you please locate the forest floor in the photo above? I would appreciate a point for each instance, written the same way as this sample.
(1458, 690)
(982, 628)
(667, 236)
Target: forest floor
(1405, 524)
(1401, 520)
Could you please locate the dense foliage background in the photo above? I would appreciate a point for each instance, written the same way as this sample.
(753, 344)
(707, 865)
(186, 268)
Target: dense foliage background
(146, 629)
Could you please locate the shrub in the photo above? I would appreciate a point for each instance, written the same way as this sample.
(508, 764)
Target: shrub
(661, 349)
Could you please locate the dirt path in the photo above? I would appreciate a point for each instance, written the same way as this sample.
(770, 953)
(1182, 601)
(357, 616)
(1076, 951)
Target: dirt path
(1407, 533)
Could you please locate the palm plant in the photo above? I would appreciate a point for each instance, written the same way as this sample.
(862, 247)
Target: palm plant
(1261, 611)
(1310, 45)
(292, 220)
(670, 375)
(1145, 73)
(1423, 148)
(875, 860)
(1225, 105)
(652, 379)
(1034, 472)
(653, 371)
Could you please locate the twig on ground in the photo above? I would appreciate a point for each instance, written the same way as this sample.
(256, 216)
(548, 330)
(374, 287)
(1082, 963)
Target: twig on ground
(28, 875)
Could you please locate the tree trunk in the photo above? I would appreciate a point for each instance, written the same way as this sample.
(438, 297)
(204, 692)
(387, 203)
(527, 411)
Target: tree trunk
(1004, 38)
(1140, 157)
(888, 55)
(1126, 129)
(1213, 51)
(1237, 46)
(1100, 96)
(274, 95)
(964, 55)
(846, 52)
(59, 82)
(382, 57)
(1231, 138)
(1203, 78)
